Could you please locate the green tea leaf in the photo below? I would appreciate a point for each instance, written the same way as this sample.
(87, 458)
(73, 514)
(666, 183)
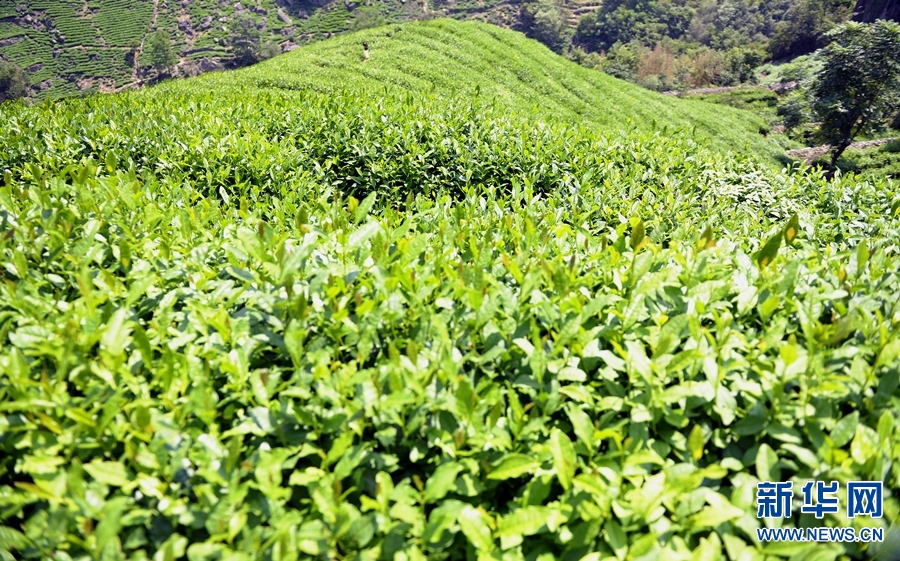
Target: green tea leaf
(442, 481)
(792, 229)
(108, 473)
(581, 424)
(768, 252)
(766, 460)
(442, 520)
(591, 483)
(885, 427)
(696, 442)
(476, 527)
(710, 517)
(844, 430)
(563, 457)
(364, 208)
(807, 457)
(707, 239)
(862, 257)
(513, 465)
(864, 444)
(616, 538)
(637, 234)
(524, 521)
(116, 335)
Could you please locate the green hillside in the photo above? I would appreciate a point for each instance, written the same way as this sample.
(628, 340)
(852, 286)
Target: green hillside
(434, 305)
(73, 47)
(452, 59)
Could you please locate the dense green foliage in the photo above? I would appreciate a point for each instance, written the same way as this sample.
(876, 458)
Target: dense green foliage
(543, 20)
(883, 161)
(261, 315)
(694, 44)
(624, 21)
(500, 67)
(760, 101)
(868, 11)
(367, 17)
(671, 66)
(803, 27)
(786, 28)
(859, 83)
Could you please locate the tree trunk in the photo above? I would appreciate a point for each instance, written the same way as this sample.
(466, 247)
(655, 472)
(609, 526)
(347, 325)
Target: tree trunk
(836, 154)
(867, 11)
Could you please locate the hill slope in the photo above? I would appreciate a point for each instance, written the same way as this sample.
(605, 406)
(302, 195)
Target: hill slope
(73, 47)
(449, 58)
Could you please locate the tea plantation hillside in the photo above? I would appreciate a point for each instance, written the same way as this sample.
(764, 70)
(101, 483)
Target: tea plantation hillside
(269, 315)
(78, 47)
(81, 47)
(471, 60)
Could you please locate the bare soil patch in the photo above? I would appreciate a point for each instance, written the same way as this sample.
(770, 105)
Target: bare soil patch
(809, 155)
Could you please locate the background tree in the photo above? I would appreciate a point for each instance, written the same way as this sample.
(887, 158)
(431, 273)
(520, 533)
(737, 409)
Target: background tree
(709, 42)
(868, 11)
(133, 44)
(13, 81)
(740, 65)
(268, 50)
(859, 83)
(622, 61)
(159, 51)
(244, 39)
(804, 25)
(793, 110)
(624, 21)
(367, 17)
(542, 20)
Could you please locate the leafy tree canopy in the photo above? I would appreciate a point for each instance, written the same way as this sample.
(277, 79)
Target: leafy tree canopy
(792, 28)
(268, 50)
(804, 25)
(159, 49)
(542, 20)
(367, 17)
(245, 38)
(859, 83)
(623, 21)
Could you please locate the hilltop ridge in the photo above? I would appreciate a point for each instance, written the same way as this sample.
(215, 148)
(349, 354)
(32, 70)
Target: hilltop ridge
(451, 58)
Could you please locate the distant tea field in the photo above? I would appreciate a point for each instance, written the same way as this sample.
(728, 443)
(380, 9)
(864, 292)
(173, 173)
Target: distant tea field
(461, 299)
(75, 48)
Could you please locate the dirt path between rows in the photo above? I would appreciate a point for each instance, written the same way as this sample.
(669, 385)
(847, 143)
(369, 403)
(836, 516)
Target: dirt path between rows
(814, 152)
(135, 80)
(777, 88)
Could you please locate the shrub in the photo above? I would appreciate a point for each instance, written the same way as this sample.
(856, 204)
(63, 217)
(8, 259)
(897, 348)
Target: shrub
(244, 38)
(794, 110)
(13, 81)
(159, 52)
